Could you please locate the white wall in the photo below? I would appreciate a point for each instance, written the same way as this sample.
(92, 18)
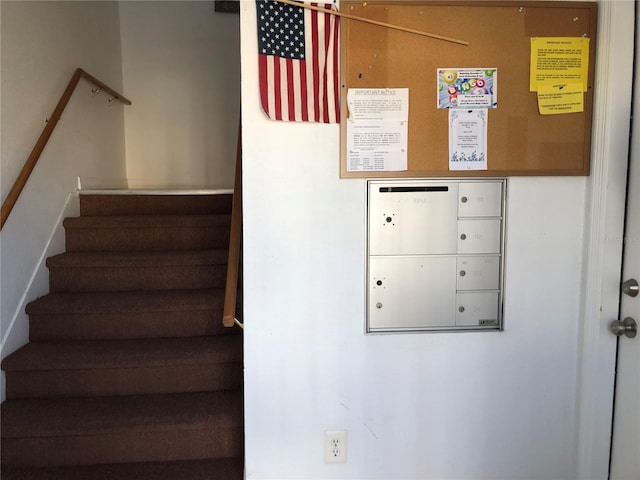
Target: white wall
(42, 44)
(180, 63)
(417, 406)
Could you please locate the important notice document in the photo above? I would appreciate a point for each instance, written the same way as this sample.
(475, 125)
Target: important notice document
(376, 146)
(556, 98)
(559, 59)
(468, 139)
(377, 129)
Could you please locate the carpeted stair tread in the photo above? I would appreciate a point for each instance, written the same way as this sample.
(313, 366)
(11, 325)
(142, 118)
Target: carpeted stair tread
(132, 301)
(146, 232)
(99, 415)
(147, 221)
(127, 314)
(126, 325)
(208, 469)
(137, 259)
(107, 354)
(146, 204)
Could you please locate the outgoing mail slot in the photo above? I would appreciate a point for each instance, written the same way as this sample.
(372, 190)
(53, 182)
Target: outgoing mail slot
(478, 273)
(479, 236)
(477, 309)
(480, 199)
(412, 218)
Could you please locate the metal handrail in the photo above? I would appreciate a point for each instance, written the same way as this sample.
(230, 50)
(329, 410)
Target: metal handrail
(32, 160)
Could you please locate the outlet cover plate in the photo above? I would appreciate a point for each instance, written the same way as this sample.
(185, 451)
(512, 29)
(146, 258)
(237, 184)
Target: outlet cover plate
(335, 446)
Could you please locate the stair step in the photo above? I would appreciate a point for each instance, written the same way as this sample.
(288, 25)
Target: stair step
(142, 204)
(209, 469)
(146, 232)
(124, 367)
(104, 430)
(119, 271)
(121, 315)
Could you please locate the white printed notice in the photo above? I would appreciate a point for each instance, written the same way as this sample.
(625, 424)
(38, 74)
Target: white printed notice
(468, 139)
(377, 129)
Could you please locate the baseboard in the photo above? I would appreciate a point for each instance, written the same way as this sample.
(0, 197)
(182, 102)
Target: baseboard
(15, 337)
(95, 183)
(134, 191)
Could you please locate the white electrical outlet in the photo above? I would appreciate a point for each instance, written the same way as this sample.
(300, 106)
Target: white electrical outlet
(335, 446)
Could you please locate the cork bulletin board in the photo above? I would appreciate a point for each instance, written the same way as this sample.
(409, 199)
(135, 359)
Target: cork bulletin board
(520, 141)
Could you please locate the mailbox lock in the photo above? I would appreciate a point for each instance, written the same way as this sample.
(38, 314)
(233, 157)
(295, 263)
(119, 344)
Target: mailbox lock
(461, 309)
(389, 219)
(379, 282)
(462, 273)
(463, 199)
(463, 236)
(379, 305)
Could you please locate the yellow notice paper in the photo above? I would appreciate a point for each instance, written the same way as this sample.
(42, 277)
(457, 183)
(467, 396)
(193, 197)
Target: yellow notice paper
(559, 59)
(554, 98)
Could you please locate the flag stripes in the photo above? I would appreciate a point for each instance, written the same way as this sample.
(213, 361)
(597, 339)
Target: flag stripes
(298, 63)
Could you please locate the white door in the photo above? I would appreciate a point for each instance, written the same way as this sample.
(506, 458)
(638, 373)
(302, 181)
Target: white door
(625, 453)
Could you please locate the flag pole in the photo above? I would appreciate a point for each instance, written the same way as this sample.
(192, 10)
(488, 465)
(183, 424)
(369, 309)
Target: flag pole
(374, 22)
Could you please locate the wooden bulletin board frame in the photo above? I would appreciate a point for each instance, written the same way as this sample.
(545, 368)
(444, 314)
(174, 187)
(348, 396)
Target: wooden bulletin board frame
(520, 140)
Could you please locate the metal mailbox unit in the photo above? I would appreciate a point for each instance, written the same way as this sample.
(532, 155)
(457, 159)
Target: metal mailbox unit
(435, 255)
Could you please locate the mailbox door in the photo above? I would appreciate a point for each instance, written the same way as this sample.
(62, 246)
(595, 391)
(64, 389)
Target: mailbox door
(479, 236)
(478, 273)
(480, 199)
(412, 219)
(411, 292)
(477, 309)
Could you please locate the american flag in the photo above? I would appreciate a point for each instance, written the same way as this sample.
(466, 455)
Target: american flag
(298, 62)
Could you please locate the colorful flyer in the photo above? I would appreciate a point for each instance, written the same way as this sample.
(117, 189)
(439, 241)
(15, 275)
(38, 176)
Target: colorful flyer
(559, 59)
(468, 139)
(467, 88)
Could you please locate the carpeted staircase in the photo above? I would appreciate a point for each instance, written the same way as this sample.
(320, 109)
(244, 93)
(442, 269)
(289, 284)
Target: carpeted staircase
(129, 373)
